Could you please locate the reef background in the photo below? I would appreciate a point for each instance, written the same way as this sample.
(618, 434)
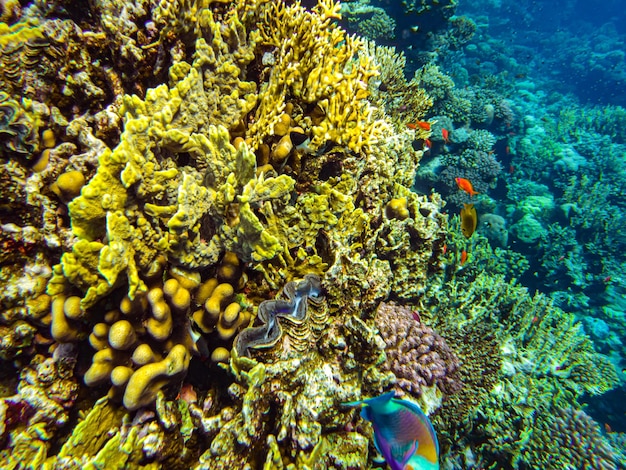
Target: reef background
(216, 227)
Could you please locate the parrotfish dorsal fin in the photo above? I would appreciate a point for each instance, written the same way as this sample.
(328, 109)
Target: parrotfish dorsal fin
(374, 402)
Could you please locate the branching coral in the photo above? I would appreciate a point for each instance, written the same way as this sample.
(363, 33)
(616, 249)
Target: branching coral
(367, 20)
(570, 438)
(446, 99)
(403, 102)
(479, 167)
(546, 361)
(317, 64)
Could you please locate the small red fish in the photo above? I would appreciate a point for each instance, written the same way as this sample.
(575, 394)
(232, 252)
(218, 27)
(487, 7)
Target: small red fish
(507, 150)
(445, 249)
(511, 169)
(463, 257)
(535, 318)
(561, 258)
(421, 124)
(444, 134)
(427, 144)
(416, 316)
(607, 279)
(465, 185)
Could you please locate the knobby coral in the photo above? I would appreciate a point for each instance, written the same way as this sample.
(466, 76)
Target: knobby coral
(416, 354)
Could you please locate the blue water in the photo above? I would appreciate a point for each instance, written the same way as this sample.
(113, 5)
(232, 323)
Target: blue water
(574, 47)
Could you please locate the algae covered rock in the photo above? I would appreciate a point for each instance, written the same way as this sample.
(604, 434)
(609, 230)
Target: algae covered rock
(528, 229)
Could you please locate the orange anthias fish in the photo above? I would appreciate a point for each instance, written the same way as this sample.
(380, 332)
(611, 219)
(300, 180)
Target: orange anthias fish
(444, 134)
(463, 257)
(465, 185)
(469, 220)
(421, 124)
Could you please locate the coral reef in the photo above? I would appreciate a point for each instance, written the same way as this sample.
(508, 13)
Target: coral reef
(543, 360)
(45, 395)
(404, 101)
(479, 167)
(368, 21)
(494, 228)
(571, 437)
(317, 64)
(210, 242)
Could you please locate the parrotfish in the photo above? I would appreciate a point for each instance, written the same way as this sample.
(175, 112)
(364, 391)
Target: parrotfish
(402, 432)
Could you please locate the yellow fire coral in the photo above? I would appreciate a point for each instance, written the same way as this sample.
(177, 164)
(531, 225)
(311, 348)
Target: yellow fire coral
(315, 63)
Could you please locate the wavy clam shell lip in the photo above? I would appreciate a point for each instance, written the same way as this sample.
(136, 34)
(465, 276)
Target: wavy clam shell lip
(270, 311)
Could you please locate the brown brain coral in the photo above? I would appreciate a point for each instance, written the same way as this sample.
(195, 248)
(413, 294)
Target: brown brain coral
(417, 355)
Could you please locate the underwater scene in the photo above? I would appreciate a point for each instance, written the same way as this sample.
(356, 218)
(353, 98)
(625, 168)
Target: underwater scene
(308, 235)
